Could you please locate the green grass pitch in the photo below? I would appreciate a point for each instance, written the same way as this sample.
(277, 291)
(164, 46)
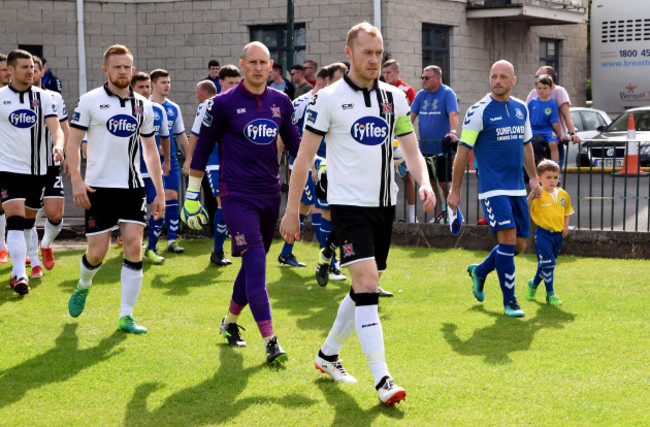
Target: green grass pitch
(461, 362)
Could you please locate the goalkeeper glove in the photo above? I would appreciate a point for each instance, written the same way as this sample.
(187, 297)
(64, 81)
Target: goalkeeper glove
(193, 213)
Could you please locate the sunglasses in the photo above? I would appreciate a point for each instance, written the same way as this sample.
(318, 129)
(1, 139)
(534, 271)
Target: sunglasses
(426, 78)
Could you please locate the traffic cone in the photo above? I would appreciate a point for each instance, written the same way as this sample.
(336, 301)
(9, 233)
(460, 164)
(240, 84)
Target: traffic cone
(631, 160)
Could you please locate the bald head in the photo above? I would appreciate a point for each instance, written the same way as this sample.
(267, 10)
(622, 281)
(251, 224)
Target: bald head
(503, 66)
(502, 79)
(255, 46)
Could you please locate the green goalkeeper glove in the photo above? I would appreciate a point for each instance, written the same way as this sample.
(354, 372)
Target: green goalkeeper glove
(193, 213)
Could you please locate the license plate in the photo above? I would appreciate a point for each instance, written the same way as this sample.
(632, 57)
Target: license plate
(608, 163)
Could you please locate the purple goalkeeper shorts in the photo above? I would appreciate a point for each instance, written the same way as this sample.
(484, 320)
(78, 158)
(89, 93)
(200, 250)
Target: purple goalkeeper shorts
(251, 221)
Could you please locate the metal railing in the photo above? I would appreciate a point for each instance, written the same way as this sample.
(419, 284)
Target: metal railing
(602, 197)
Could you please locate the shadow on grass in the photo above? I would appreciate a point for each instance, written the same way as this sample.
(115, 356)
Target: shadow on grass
(213, 401)
(506, 335)
(56, 365)
(181, 285)
(348, 412)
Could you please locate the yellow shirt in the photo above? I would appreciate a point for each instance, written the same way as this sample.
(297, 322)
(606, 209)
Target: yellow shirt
(549, 210)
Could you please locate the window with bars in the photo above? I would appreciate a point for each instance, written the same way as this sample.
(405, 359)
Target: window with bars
(275, 38)
(436, 48)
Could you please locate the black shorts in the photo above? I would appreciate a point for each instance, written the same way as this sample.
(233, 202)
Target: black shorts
(53, 183)
(110, 206)
(443, 164)
(17, 186)
(363, 233)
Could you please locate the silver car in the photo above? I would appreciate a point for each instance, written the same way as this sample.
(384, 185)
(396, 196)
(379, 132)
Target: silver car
(586, 121)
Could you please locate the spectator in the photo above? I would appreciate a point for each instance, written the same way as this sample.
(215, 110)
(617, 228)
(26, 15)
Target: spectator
(561, 98)
(544, 121)
(391, 75)
(49, 80)
(277, 81)
(298, 77)
(213, 76)
(311, 67)
(437, 107)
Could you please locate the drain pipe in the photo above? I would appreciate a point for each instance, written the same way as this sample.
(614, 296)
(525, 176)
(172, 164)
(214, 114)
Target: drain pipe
(81, 48)
(376, 8)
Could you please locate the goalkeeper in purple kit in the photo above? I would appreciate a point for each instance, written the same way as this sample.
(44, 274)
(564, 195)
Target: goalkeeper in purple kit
(246, 121)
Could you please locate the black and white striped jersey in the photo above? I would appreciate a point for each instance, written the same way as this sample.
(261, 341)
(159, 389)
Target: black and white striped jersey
(23, 145)
(358, 125)
(114, 126)
(63, 115)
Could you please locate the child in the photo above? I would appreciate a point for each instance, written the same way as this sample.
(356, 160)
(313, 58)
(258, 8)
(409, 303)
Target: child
(544, 121)
(551, 213)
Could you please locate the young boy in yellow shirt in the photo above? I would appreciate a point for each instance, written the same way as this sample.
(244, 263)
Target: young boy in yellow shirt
(551, 213)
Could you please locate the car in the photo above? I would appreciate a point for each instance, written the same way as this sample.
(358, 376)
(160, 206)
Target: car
(586, 122)
(608, 148)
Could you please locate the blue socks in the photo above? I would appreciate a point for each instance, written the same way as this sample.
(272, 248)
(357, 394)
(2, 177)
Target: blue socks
(155, 227)
(487, 266)
(220, 230)
(325, 230)
(172, 217)
(287, 249)
(504, 260)
(315, 225)
(545, 274)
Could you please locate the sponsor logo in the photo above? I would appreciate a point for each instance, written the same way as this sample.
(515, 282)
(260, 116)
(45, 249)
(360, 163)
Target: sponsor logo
(275, 111)
(347, 106)
(519, 114)
(369, 130)
(23, 119)
(122, 125)
(207, 119)
(508, 130)
(261, 131)
(348, 250)
(240, 240)
(494, 119)
(241, 111)
(311, 116)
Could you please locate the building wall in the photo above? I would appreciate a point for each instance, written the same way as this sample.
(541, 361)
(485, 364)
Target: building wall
(182, 35)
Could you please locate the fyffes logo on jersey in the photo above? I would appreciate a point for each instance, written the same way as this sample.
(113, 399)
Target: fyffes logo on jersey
(23, 119)
(122, 125)
(369, 130)
(261, 131)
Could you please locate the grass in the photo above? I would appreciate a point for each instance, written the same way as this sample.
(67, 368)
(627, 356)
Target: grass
(461, 362)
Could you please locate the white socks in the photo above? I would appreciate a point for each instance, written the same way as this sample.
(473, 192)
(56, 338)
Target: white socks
(87, 272)
(131, 282)
(411, 213)
(50, 232)
(17, 251)
(3, 230)
(31, 239)
(371, 337)
(342, 328)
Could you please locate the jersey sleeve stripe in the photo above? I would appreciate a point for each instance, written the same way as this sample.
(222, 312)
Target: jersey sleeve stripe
(52, 115)
(147, 134)
(316, 131)
(76, 126)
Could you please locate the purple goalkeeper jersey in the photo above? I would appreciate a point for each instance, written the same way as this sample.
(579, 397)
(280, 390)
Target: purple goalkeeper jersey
(246, 126)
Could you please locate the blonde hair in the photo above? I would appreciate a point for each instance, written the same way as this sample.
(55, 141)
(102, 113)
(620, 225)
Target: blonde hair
(364, 26)
(115, 50)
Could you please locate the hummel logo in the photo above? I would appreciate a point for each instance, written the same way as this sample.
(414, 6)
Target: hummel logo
(369, 324)
(543, 206)
(241, 110)
(504, 222)
(494, 119)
